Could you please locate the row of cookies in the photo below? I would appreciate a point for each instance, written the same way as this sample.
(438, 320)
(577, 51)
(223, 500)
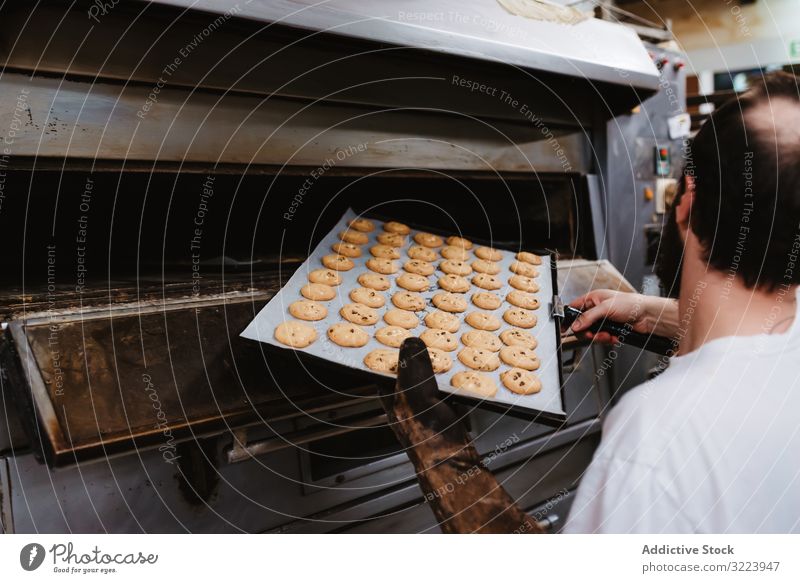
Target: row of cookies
(321, 287)
(484, 352)
(456, 252)
(419, 267)
(480, 354)
(366, 298)
(321, 281)
(481, 345)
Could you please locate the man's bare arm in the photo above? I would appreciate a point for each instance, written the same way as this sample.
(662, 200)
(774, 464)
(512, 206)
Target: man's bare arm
(645, 314)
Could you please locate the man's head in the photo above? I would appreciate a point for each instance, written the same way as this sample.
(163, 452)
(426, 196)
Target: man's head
(739, 209)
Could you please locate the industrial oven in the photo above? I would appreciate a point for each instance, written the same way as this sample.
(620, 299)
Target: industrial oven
(167, 166)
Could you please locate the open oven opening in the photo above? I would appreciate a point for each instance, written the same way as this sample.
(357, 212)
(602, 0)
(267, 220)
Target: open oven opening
(92, 239)
(79, 229)
(334, 457)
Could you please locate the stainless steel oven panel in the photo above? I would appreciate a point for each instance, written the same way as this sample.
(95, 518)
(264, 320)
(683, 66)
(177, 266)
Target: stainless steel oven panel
(592, 49)
(6, 514)
(535, 472)
(106, 121)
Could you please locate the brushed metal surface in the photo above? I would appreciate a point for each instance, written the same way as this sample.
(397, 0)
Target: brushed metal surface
(593, 49)
(69, 119)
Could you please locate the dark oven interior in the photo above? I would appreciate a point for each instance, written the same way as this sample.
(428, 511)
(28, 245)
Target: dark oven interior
(101, 227)
(186, 259)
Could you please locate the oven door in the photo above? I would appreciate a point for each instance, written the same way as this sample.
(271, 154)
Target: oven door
(174, 408)
(92, 382)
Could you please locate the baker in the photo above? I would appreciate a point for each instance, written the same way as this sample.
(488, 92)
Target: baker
(710, 445)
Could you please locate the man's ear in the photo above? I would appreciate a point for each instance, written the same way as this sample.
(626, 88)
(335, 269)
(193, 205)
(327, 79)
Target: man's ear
(683, 212)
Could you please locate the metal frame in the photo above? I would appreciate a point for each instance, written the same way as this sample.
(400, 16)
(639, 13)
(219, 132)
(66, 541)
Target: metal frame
(407, 492)
(47, 438)
(104, 116)
(6, 513)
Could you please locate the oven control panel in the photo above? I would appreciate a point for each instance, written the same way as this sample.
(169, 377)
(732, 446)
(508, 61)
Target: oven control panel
(646, 150)
(646, 153)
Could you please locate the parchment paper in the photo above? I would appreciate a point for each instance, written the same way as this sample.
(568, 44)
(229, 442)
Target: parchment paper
(263, 326)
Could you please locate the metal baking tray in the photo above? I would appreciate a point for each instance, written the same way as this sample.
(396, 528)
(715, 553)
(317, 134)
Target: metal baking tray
(545, 406)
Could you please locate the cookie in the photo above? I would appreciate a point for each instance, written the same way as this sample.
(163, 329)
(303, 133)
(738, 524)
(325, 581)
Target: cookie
(384, 266)
(483, 266)
(346, 249)
(521, 381)
(474, 383)
(363, 225)
(481, 339)
(348, 335)
(419, 267)
(413, 282)
(392, 336)
(440, 361)
(318, 292)
(406, 300)
(368, 297)
(395, 227)
(442, 321)
(382, 360)
(326, 276)
(454, 283)
(392, 239)
(428, 240)
(422, 253)
(359, 314)
(402, 318)
(522, 299)
(354, 237)
(487, 281)
(522, 268)
(455, 253)
(482, 321)
(486, 300)
(455, 267)
(441, 339)
(454, 241)
(488, 254)
(450, 302)
(531, 258)
(308, 310)
(520, 317)
(295, 334)
(384, 252)
(479, 359)
(517, 337)
(374, 281)
(519, 357)
(338, 262)
(523, 283)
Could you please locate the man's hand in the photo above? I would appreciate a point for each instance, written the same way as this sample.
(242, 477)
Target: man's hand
(644, 314)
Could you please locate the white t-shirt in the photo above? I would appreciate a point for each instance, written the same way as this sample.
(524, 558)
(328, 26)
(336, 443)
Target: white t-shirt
(712, 445)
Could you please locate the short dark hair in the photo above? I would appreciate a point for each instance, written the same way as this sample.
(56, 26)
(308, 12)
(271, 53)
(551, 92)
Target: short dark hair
(745, 161)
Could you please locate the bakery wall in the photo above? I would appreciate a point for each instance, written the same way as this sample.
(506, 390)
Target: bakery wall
(720, 35)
